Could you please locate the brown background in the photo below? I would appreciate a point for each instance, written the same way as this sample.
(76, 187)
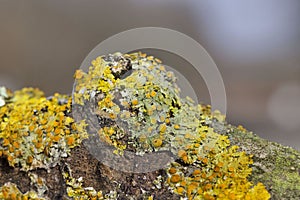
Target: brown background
(256, 46)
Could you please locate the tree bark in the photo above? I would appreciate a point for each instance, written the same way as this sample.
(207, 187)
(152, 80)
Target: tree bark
(276, 166)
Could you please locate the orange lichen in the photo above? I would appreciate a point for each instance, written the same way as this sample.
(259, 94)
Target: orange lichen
(153, 93)
(175, 178)
(172, 170)
(76, 191)
(78, 74)
(9, 191)
(152, 106)
(157, 142)
(180, 190)
(70, 141)
(221, 167)
(181, 153)
(176, 126)
(134, 102)
(196, 172)
(24, 140)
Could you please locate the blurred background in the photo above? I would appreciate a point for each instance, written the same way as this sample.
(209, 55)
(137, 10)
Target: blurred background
(255, 44)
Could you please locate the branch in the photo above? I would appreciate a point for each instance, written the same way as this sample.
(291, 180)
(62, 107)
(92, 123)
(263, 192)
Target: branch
(127, 134)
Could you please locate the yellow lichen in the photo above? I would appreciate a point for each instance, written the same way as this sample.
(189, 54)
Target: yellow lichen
(9, 191)
(26, 141)
(77, 191)
(223, 172)
(152, 107)
(33, 128)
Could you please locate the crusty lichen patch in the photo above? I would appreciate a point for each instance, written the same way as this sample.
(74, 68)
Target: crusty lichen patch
(138, 108)
(142, 104)
(36, 131)
(133, 94)
(278, 167)
(9, 191)
(76, 190)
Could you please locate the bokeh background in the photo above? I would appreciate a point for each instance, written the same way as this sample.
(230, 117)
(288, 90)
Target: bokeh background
(255, 44)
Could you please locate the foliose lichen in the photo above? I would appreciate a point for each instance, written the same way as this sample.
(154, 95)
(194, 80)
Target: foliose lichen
(277, 166)
(10, 191)
(139, 109)
(142, 104)
(35, 131)
(76, 190)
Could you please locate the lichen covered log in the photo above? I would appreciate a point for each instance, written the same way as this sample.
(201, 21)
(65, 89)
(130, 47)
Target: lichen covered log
(130, 104)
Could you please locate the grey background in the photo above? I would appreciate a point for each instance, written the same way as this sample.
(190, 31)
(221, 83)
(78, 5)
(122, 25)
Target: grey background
(255, 44)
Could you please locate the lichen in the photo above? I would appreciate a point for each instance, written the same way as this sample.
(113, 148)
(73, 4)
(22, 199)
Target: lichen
(35, 131)
(144, 103)
(39, 183)
(146, 114)
(9, 191)
(278, 167)
(76, 190)
(138, 108)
